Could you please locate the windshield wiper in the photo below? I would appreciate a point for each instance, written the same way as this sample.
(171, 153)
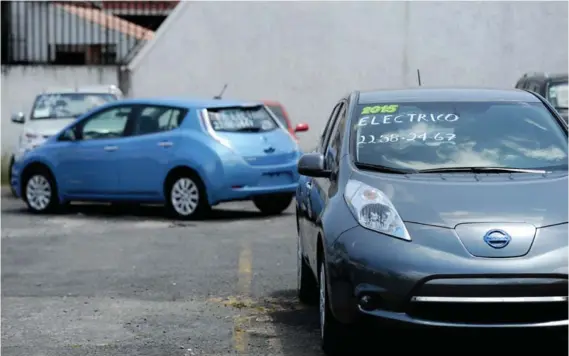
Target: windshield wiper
(378, 168)
(480, 170)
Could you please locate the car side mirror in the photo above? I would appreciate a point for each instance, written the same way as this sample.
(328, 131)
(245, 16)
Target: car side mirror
(18, 118)
(68, 135)
(301, 127)
(312, 165)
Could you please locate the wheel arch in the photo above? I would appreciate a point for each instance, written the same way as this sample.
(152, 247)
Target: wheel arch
(179, 170)
(35, 166)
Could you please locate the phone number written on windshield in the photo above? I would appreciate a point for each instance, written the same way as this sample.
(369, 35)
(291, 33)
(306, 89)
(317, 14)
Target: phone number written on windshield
(424, 136)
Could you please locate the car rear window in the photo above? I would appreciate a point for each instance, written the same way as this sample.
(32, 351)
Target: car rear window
(431, 135)
(241, 119)
(278, 111)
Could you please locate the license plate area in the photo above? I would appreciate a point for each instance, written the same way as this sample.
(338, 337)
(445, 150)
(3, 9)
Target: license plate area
(275, 178)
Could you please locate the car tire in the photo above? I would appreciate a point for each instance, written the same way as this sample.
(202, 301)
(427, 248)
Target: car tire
(40, 192)
(12, 190)
(186, 197)
(334, 336)
(273, 204)
(307, 286)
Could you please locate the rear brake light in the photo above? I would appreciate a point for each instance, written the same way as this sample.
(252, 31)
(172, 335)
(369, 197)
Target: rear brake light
(206, 125)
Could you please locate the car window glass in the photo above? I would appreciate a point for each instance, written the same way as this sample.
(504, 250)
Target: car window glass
(277, 110)
(107, 124)
(241, 119)
(432, 135)
(154, 119)
(557, 95)
(334, 144)
(67, 105)
(327, 128)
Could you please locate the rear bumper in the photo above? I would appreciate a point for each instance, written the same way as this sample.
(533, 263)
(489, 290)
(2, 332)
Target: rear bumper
(242, 181)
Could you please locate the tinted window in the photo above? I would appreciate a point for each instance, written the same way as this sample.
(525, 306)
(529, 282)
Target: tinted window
(557, 95)
(458, 134)
(107, 124)
(241, 119)
(158, 119)
(65, 105)
(278, 111)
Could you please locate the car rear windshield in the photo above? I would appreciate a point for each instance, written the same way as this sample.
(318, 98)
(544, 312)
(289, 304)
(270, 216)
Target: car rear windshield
(241, 119)
(432, 135)
(278, 111)
(67, 105)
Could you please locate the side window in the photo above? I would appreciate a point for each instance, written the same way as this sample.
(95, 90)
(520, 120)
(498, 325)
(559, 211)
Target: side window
(328, 128)
(334, 143)
(110, 123)
(153, 119)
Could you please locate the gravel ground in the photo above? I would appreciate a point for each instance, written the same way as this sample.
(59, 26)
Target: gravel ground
(104, 281)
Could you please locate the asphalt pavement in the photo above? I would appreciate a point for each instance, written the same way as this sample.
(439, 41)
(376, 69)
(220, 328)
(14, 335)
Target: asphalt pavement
(101, 280)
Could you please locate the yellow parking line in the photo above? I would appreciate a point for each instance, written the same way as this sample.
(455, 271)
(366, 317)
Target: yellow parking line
(240, 336)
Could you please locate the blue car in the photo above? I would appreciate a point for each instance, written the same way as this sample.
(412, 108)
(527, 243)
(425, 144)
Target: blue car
(189, 155)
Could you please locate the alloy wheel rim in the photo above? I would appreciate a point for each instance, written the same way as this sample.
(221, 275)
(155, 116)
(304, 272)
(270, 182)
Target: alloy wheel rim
(185, 196)
(322, 302)
(38, 192)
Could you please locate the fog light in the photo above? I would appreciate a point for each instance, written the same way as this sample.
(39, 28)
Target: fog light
(368, 302)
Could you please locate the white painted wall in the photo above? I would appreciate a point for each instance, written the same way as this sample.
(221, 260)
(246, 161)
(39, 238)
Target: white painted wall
(308, 54)
(20, 85)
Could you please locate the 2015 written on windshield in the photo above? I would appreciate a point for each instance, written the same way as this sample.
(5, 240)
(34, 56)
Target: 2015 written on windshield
(413, 136)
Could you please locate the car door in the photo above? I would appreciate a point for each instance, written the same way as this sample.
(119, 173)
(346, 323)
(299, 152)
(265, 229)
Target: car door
(305, 209)
(87, 165)
(147, 152)
(319, 187)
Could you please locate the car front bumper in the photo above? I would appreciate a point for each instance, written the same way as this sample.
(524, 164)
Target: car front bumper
(434, 281)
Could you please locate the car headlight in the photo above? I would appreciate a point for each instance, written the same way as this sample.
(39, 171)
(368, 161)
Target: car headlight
(373, 210)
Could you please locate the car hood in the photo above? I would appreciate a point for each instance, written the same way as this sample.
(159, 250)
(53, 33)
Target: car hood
(48, 127)
(448, 200)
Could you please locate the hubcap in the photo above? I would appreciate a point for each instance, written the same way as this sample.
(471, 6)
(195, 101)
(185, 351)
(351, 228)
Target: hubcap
(322, 300)
(185, 196)
(38, 192)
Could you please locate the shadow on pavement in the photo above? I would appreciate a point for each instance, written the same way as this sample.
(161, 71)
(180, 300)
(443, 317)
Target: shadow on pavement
(296, 325)
(156, 212)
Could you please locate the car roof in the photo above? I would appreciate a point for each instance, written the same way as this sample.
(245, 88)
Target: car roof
(191, 103)
(103, 89)
(445, 94)
(546, 76)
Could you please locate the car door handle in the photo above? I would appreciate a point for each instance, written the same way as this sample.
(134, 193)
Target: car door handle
(165, 144)
(111, 148)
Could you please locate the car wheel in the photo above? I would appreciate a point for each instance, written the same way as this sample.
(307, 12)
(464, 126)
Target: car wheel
(40, 192)
(307, 287)
(273, 204)
(186, 198)
(334, 336)
(12, 190)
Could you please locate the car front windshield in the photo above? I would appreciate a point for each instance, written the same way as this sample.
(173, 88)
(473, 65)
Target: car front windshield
(432, 135)
(557, 95)
(67, 105)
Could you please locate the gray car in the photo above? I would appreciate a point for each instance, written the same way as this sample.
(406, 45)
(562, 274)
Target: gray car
(435, 207)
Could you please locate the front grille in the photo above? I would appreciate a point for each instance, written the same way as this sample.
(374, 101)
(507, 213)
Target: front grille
(489, 313)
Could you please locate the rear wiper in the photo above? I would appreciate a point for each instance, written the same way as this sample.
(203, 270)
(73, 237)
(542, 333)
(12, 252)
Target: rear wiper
(480, 170)
(378, 168)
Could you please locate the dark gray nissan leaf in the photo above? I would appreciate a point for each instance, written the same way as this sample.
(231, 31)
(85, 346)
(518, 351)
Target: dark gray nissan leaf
(436, 207)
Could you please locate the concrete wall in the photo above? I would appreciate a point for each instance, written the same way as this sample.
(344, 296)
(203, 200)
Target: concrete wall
(308, 54)
(20, 85)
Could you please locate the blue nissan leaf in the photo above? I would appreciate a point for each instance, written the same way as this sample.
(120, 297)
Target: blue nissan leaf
(189, 155)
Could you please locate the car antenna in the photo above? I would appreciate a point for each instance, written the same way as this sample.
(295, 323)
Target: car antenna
(218, 97)
(419, 76)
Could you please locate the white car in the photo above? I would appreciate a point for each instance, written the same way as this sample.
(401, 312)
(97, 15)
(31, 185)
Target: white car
(54, 109)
